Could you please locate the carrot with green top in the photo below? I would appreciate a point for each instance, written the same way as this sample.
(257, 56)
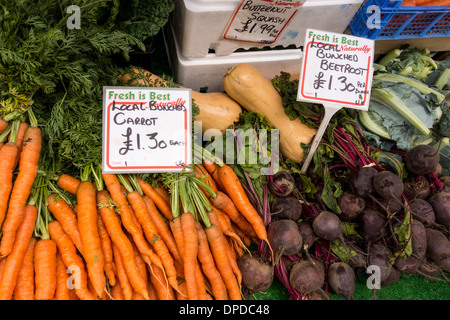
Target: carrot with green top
(15, 258)
(127, 289)
(45, 269)
(62, 291)
(90, 238)
(107, 250)
(24, 289)
(141, 211)
(28, 167)
(157, 199)
(162, 228)
(236, 192)
(68, 183)
(119, 238)
(117, 193)
(209, 268)
(62, 212)
(71, 260)
(8, 153)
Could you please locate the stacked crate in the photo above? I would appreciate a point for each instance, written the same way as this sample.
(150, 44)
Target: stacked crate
(199, 55)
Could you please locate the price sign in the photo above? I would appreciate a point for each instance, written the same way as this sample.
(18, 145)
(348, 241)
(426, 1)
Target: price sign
(336, 71)
(261, 21)
(146, 129)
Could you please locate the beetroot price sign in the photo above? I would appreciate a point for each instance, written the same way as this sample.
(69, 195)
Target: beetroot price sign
(336, 69)
(146, 129)
(261, 21)
(336, 72)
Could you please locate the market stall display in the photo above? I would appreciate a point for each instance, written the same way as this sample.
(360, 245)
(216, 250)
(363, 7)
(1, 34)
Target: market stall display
(243, 220)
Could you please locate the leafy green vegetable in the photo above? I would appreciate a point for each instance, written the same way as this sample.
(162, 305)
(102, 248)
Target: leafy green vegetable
(403, 232)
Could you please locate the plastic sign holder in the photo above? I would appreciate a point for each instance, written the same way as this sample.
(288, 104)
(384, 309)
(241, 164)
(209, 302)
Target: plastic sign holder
(337, 72)
(146, 129)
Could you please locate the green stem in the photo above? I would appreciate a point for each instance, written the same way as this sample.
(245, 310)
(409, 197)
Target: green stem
(97, 173)
(135, 183)
(32, 118)
(125, 183)
(201, 203)
(12, 128)
(175, 199)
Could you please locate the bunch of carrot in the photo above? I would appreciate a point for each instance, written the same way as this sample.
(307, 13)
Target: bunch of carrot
(426, 3)
(120, 237)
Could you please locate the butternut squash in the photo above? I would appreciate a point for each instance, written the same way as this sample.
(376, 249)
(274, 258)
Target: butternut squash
(255, 93)
(217, 110)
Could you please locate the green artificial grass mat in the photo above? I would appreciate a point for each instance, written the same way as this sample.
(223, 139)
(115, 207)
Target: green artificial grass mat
(408, 287)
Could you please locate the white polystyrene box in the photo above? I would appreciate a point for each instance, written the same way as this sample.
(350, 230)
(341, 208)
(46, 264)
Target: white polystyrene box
(205, 74)
(199, 24)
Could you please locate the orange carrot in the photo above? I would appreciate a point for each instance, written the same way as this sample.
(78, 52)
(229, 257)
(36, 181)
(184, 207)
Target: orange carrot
(107, 250)
(218, 249)
(201, 283)
(119, 238)
(140, 209)
(116, 292)
(23, 126)
(157, 278)
(236, 192)
(223, 202)
(408, 3)
(163, 193)
(162, 228)
(233, 261)
(209, 268)
(122, 276)
(45, 269)
(68, 183)
(90, 238)
(203, 174)
(29, 158)
(15, 258)
(213, 170)
(71, 260)
(24, 289)
(3, 124)
(62, 212)
(7, 155)
(127, 217)
(62, 291)
(160, 203)
(190, 241)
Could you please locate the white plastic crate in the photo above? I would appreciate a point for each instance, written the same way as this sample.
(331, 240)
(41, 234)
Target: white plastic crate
(199, 24)
(205, 74)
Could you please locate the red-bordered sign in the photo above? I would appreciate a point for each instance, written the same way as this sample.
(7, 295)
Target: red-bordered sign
(336, 69)
(261, 21)
(146, 129)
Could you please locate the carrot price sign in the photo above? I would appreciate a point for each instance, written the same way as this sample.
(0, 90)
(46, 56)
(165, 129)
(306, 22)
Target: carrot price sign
(336, 69)
(261, 21)
(146, 129)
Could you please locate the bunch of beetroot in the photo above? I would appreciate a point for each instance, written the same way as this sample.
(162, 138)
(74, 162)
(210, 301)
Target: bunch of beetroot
(389, 224)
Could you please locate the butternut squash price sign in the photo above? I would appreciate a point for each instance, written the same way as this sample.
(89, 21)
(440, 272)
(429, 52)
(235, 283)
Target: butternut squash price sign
(261, 21)
(336, 71)
(146, 129)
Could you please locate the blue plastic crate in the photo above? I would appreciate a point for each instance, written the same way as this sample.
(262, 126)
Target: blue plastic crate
(397, 22)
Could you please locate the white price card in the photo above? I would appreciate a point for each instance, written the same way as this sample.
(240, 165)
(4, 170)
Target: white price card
(336, 69)
(261, 21)
(146, 129)
(337, 72)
